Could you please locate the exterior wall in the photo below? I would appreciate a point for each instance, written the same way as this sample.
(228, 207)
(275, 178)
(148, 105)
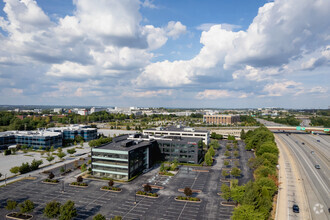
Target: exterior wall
(35, 141)
(85, 133)
(221, 119)
(188, 152)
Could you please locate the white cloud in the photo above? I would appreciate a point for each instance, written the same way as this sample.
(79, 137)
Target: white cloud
(219, 94)
(282, 88)
(175, 29)
(148, 94)
(149, 4)
(207, 26)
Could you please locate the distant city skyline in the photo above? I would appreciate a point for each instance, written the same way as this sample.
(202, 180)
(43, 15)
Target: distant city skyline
(183, 54)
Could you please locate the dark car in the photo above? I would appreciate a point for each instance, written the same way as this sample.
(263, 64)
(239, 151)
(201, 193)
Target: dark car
(318, 140)
(295, 208)
(317, 166)
(302, 143)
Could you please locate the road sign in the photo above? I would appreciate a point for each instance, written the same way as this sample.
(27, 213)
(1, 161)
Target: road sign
(298, 128)
(303, 129)
(327, 129)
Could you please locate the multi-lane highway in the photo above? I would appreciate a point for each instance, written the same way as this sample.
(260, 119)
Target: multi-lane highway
(309, 150)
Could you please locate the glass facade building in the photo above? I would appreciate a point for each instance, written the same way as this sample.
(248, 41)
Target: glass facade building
(35, 139)
(72, 131)
(122, 159)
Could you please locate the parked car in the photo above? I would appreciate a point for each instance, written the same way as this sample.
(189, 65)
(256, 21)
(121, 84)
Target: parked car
(317, 166)
(295, 208)
(302, 143)
(318, 141)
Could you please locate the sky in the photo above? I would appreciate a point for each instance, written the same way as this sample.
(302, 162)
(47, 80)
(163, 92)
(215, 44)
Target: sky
(166, 53)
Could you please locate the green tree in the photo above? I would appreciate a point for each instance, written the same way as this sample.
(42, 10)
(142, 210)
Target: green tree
(226, 163)
(236, 172)
(26, 206)
(14, 170)
(227, 153)
(52, 149)
(212, 152)
(246, 212)
(61, 155)
(99, 217)
(11, 205)
(208, 159)
(237, 193)
(264, 171)
(243, 135)
(83, 168)
(267, 147)
(50, 158)
(24, 168)
(71, 151)
(224, 173)
(35, 164)
(67, 211)
(236, 154)
(225, 190)
(52, 209)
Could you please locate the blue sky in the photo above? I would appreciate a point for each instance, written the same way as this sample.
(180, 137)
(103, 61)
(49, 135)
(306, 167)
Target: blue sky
(185, 53)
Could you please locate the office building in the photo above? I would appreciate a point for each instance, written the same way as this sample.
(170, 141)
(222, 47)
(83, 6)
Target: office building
(70, 132)
(123, 158)
(221, 119)
(179, 131)
(129, 155)
(35, 139)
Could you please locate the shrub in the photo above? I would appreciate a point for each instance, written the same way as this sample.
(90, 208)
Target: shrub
(236, 172)
(226, 163)
(110, 183)
(227, 153)
(14, 170)
(35, 164)
(236, 154)
(225, 173)
(24, 168)
(71, 151)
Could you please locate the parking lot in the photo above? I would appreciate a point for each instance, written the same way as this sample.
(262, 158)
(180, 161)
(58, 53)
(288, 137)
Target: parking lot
(90, 201)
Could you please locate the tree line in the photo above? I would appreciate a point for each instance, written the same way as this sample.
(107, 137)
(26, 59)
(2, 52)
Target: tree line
(255, 198)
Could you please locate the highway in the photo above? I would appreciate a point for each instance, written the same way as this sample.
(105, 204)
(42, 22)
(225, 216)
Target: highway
(316, 181)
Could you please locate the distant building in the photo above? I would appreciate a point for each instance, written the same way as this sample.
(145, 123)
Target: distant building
(58, 110)
(35, 139)
(82, 112)
(221, 119)
(95, 109)
(179, 131)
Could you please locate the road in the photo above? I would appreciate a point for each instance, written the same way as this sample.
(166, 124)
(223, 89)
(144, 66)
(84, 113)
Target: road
(316, 181)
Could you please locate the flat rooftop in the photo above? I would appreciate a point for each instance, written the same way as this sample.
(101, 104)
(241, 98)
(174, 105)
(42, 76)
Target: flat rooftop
(71, 128)
(123, 144)
(177, 129)
(29, 133)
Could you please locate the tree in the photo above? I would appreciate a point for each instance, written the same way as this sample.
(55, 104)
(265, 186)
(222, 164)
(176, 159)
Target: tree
(35, 164)
(243, 135)
(81, 143)
(26, 206)
(128, 127)
(236, 154)
(83, 168)
(212, 152)
(264, 171)
(187, 191)
(162, 167)
(78, 139)
(267, 147)
(61, 155)
(231, 137)
(59, 150)
(51, 175)
(236, 172)
(237, 193)
(11, 205)
(50, 158)
(224, 173)
(52, 209)
(68, 211)
(208, 159)
(147, 188)
(246, 212)
(215, 144)
(14, 170)
(13, 150)
(99, 217)
(110, 183)
(52, 149)
(227, 153)
(80, 179)
(225, 191)
(71, 151)
(24, 168)
(226, 163)
(7, 152)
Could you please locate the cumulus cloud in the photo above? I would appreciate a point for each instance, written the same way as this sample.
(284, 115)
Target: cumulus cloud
(228, 27)
(175, 29)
